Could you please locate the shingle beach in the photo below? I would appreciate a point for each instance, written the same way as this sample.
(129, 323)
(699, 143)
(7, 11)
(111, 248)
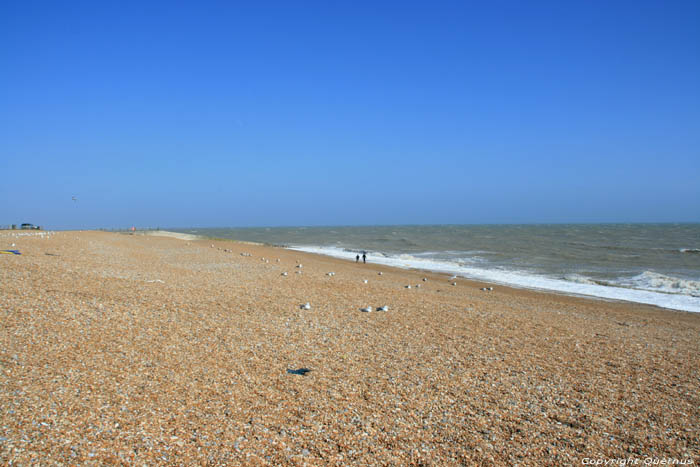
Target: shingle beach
(154, 350)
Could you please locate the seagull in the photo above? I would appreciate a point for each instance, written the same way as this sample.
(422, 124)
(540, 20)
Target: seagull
(366, 310)
(425, 279)
(408, 286)
(284, 273)
(380, 273)
(364, 281)
(299, 266)
(418, 286)
(305, 306)
(454, 283)
(383, 308)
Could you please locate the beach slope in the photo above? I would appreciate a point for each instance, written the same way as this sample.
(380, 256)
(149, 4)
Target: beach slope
(136, 349)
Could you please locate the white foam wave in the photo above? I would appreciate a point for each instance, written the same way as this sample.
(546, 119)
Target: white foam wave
(630, 293)
(649, 280)
(580, 279)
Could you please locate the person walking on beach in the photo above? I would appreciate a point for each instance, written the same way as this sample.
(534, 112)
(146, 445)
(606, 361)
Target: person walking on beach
(357, 258)
(364, 258)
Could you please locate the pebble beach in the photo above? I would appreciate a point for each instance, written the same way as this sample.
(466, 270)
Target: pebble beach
(129, 349)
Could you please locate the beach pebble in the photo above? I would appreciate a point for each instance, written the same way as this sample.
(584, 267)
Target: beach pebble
(366, 310)
(305, 306)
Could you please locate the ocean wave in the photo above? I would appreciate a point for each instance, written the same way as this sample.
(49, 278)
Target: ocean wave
(689, 250)
(579, 279)
(653, 281)
(401, 241)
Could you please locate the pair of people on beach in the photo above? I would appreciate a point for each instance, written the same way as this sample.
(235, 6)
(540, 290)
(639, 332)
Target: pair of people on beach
(364, 258)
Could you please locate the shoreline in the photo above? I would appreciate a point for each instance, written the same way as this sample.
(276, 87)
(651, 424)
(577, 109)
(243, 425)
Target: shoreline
(483, 282)
(476, 285)
(605, 293)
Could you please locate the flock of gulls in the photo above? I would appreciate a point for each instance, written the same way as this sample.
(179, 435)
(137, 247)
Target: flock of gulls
(368, 309)
(306, 306)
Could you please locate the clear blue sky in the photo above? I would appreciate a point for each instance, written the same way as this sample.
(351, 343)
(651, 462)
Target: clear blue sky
(323, 113)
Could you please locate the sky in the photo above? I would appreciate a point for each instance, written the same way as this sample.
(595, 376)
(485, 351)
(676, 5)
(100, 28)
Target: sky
(215, 114)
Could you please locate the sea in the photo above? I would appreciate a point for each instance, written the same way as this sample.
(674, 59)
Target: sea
(657, 264)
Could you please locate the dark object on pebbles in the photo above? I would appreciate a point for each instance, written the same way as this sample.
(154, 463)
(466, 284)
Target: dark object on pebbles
(300, 371)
